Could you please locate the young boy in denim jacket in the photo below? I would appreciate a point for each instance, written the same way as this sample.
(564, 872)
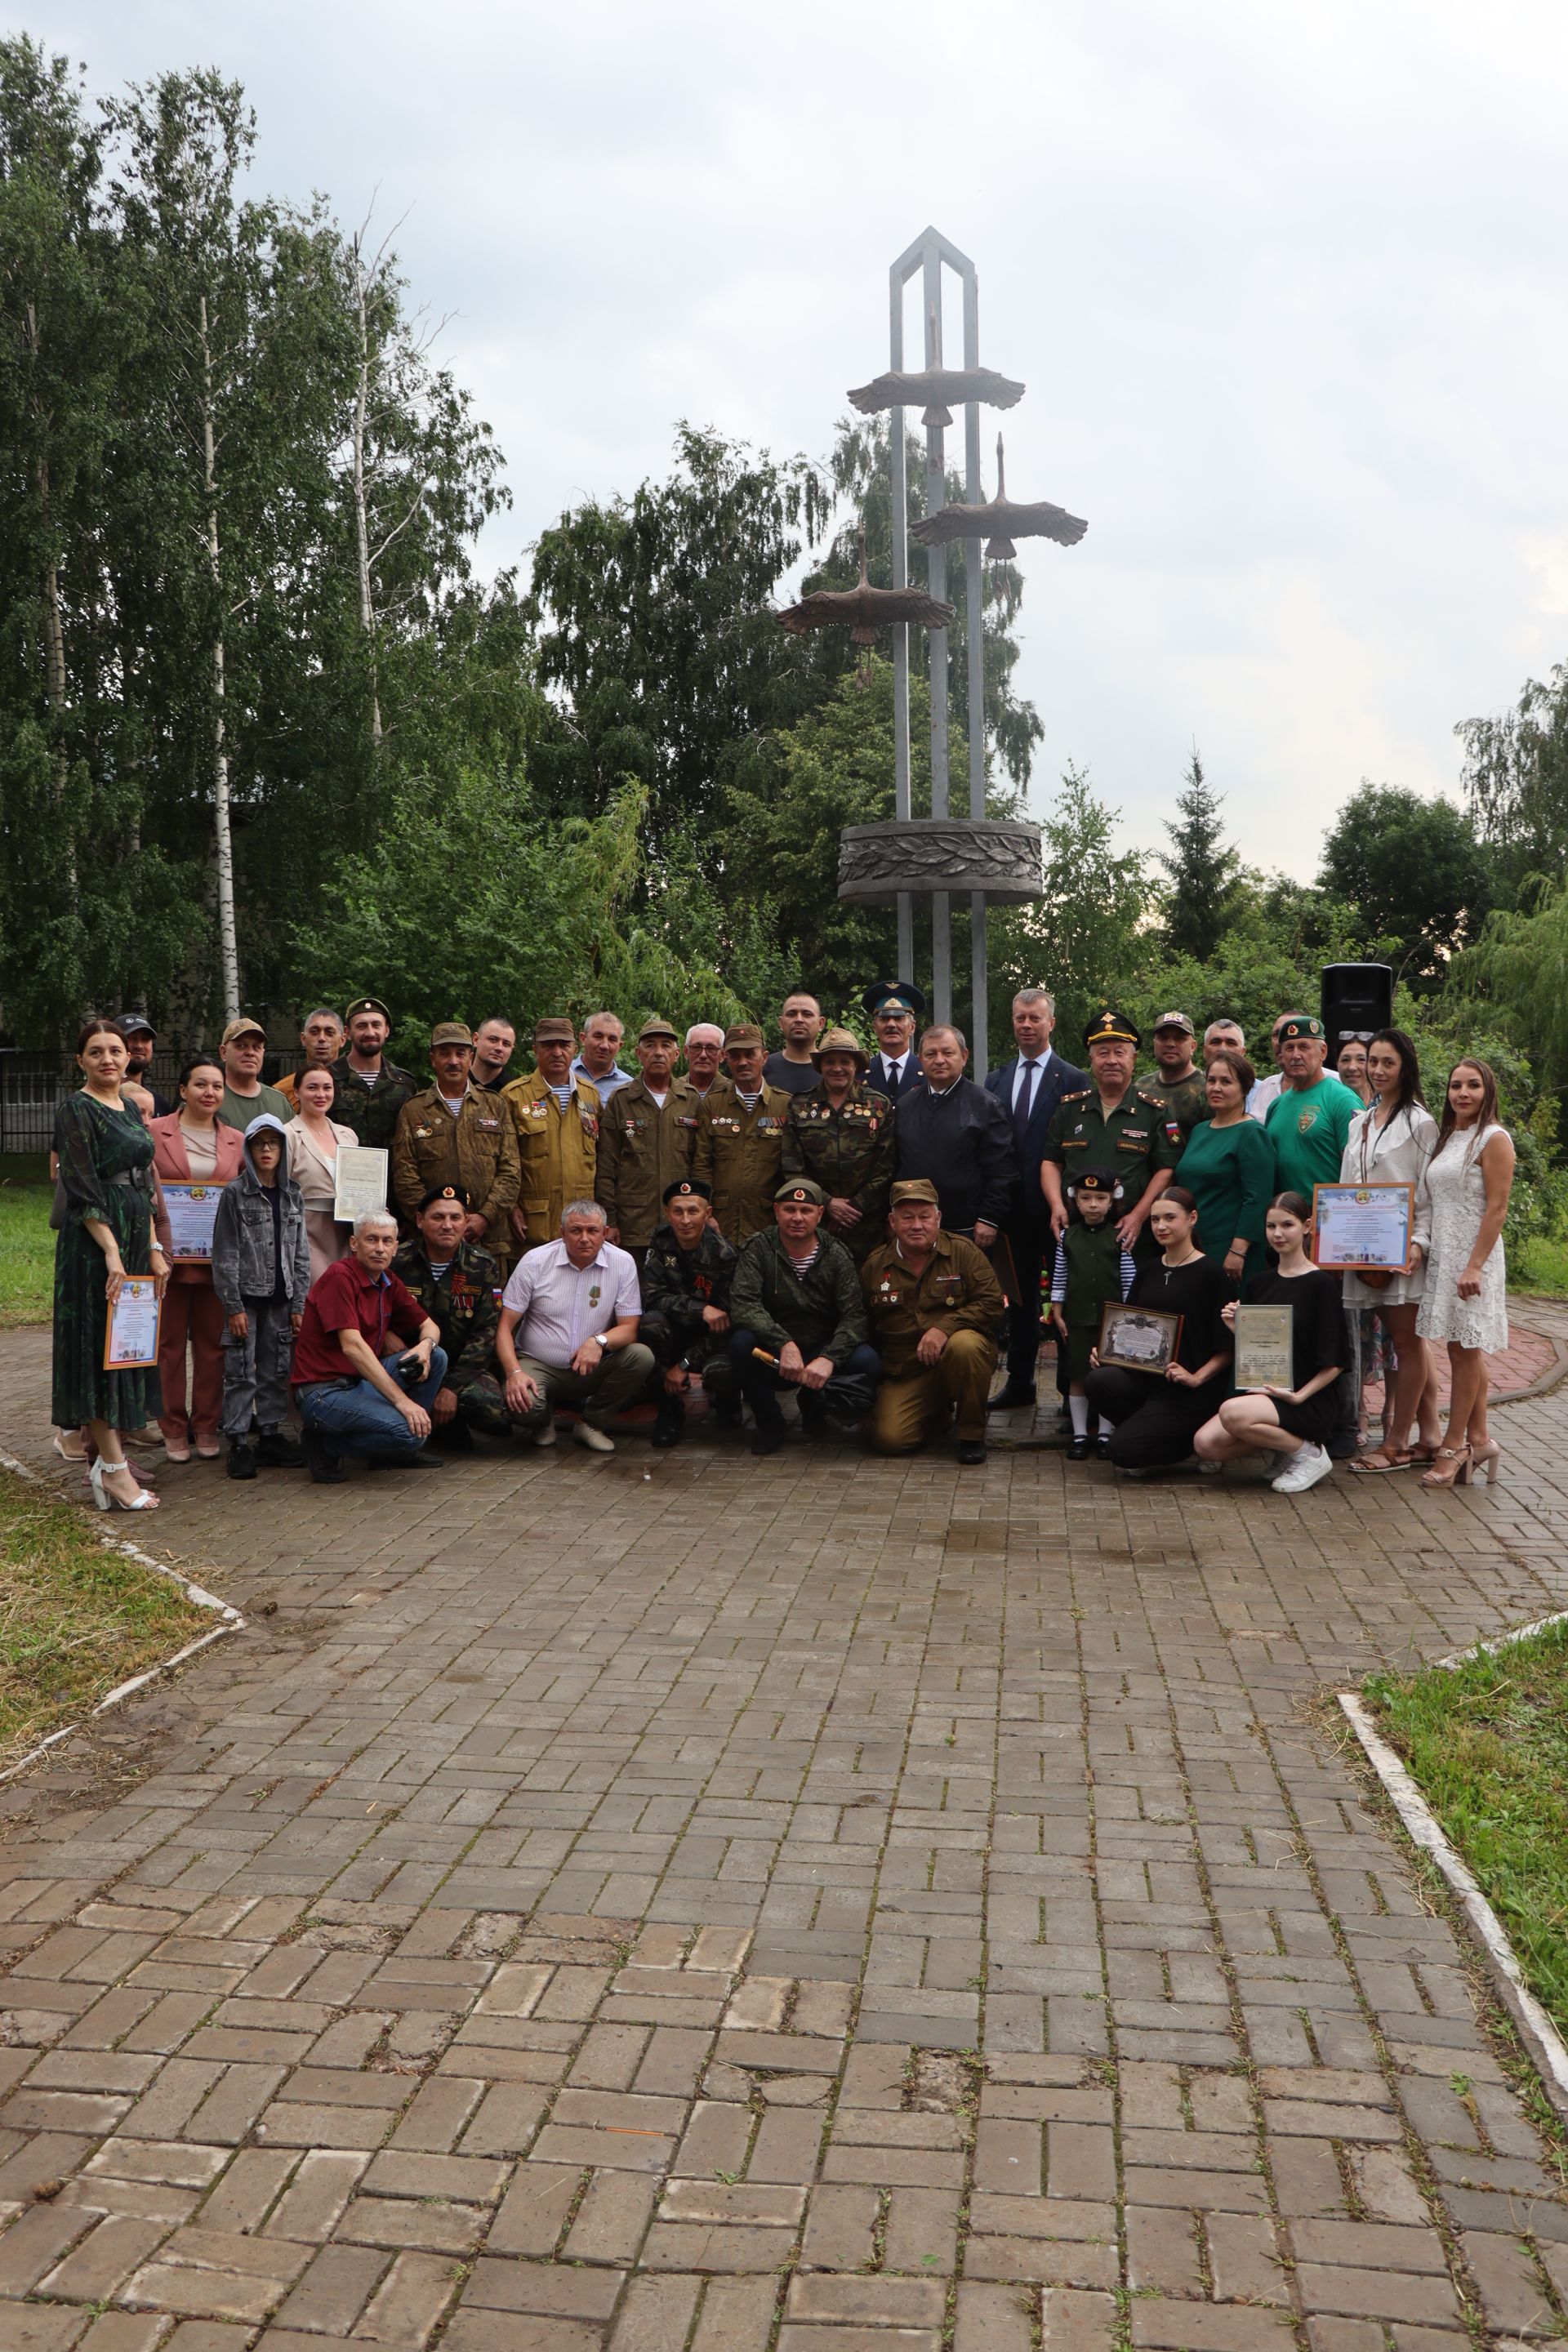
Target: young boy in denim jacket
(261, 1271)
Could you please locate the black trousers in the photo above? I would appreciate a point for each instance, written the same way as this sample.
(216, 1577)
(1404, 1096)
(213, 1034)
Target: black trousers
(1154, 1420)
(1033, 1249)
(707, 1357)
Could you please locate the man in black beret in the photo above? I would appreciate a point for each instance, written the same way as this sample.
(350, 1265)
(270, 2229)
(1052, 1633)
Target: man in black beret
(455, 1282)
(686, 1309)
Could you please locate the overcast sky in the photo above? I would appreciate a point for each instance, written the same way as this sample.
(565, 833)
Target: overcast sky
(1286, 288)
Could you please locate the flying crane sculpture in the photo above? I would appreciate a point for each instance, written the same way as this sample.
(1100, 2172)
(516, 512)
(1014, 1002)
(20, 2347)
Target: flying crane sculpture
(865, 611)
(934, 387)
(1000, 521)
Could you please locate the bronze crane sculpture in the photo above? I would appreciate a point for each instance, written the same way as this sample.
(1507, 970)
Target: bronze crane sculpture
(865, 611)
(1000, 521)
(934, 387)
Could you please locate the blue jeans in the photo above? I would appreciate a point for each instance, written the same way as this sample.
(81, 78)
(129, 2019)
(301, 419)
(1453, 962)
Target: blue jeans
(357, 1419)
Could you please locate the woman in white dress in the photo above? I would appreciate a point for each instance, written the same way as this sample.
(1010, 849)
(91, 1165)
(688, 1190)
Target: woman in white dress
(1465, 1305)
(314, 1141)
(1391, 1142)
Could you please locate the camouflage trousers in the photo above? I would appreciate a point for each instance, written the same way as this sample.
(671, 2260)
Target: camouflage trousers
(482, 1406)
(706, 1360)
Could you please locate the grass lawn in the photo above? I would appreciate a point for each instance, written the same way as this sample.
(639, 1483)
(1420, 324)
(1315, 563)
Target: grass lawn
(1541, 1265)
(76, 1616)
(1487, 1744)
(26, 1244)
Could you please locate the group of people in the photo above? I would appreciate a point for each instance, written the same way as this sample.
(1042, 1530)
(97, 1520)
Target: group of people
(865, 1229)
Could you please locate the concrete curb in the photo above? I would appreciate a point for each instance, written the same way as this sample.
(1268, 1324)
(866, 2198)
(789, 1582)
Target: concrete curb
(197, 1593)
(1539, 2036)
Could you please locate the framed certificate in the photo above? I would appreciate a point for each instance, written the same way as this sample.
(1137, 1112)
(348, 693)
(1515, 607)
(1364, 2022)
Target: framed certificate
(1362, 1225)
(360, 1183)
(1264, 1356)
(1139, 1339)
(193, 1211)
(131, 1338)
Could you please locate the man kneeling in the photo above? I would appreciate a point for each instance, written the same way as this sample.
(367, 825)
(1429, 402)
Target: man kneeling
(935, 1309)
(353, 1395)
(455, 1282)
(798, 1321)
(569, 1331)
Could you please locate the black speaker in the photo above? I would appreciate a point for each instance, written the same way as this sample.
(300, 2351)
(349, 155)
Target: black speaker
(1358, 1000)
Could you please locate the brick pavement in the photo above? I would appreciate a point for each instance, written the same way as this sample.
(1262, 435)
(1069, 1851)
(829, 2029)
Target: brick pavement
(695, 1906)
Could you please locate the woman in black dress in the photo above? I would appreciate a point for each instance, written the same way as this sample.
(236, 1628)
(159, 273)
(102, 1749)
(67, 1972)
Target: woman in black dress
(1156, 1414)
(1296, 1420)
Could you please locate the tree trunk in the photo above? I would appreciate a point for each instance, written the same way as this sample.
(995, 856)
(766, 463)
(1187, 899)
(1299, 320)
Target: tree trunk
(228, 941)
(53, 637)
(361, 523)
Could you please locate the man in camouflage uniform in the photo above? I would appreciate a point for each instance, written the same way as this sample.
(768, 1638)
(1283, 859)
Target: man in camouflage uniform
(452, 1134)
(646, 1140)
(740, 1138)
(799, 1321)
(1175, 1080)
(372, 1090)
(841, 1136)
(455, 1282)
(1112, 1124)
(555, 1120)
(686, 1309)
(935, 1308)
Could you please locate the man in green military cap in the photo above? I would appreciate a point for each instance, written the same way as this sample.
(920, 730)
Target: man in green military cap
(894, 1006)
(1112, 1124)
(799, 1321)
(372, 1090)
(935, 1308)
(740, 1138)
(1309, 1118)
(452, 1134)
(647, 1136)
(1176, 1081)
(455, 1282)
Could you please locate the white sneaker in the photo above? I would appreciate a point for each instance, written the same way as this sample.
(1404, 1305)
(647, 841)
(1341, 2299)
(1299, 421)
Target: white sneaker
(1307, 1465)
(545, 1434)
(593, 1439)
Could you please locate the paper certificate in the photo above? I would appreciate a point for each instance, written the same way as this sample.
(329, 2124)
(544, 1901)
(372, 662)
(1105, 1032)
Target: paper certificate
(131, 1338)
(1264, 1356)
(1139, 1339)
(362, 1182)
(193, 1211)
(1362, 1225)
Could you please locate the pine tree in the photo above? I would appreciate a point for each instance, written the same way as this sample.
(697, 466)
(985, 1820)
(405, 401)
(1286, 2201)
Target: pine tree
(1202, 870)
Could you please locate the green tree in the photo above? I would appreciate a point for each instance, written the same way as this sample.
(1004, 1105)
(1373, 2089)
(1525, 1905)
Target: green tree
(1414, 873)
(1082, 938)
(1201, 870)
(1515, 774)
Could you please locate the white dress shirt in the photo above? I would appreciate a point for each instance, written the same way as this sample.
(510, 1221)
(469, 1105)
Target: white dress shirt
(561, 1305)
(1027, 1080)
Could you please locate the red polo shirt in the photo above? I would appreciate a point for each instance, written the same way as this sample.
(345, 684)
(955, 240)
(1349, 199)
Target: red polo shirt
(346, 1299)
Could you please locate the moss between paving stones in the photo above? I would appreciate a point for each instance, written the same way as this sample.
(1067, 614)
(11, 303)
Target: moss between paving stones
(1487, 1744)
(77, 1617)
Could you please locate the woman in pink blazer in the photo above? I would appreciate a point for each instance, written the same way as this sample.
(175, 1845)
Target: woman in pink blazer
(193, 1145)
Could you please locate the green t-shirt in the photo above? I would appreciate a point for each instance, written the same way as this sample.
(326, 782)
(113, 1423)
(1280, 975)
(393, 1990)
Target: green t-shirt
(239, 1110)
(1308, 1127)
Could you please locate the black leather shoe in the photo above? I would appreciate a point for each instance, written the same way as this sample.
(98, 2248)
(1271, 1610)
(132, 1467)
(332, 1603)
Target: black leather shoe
(971, 1450)
(1078, 1450)
(1102, 1445)
(1011, 1399)
(275, 1451)
(668, 1422)
(768, 1436)
(325, 1468)
(241, 1459)
(455, 1436)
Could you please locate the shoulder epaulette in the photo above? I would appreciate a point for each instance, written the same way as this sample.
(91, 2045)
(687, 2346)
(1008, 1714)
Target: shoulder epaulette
(1081, 1094)
(1152, 1100)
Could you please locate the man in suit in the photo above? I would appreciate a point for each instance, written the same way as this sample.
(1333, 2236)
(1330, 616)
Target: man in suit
(1029, 1088)
(894, 1006)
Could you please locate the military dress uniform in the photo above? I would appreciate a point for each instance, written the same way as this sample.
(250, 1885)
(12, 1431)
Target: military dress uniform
(957, 1293)
(677, 1286)
(473, 1148)
(737, 1152)
(1138, 1138)
(850, 1151)
(557, 1150)
(373, 1109)
(463, 1303)
(641, 1150)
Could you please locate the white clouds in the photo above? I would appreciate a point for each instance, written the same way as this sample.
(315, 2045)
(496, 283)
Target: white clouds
(1285, 289)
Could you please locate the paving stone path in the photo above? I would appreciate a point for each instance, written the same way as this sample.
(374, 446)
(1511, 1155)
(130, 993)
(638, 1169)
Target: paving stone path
(814, 1906)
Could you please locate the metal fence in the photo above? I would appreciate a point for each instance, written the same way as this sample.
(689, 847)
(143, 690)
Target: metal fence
(33, 1085)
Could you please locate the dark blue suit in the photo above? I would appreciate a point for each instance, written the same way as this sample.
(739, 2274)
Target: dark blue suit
(1029, 1229)
(877, 1079)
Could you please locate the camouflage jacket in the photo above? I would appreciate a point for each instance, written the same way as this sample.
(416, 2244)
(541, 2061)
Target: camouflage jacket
(476, 1149)
(822, 1310)
(557, 1152)
(739, 1152)
(678, 1284)
(463, 1304)
(371, 1111)
(849, 1152)
(641, 1150)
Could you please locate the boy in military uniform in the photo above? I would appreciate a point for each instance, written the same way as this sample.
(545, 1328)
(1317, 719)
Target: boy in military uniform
(841, 1136)
(555, 1121)
(372, 1090)
(1112, 1124)
(935, 1308)
(646, 1140)
(455, 1282)
(452, 1134)
(1093, 1269)
(686, 1309)
(740, 1138)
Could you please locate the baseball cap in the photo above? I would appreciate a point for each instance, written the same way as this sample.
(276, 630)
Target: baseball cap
(242, 1027)
(1181, 1021)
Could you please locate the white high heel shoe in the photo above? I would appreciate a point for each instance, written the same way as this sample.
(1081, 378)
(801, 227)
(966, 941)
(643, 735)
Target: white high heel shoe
(108, 1502)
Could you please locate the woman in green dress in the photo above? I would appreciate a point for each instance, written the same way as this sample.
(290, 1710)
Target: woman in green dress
(105, 1157)
(1228, 1168)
